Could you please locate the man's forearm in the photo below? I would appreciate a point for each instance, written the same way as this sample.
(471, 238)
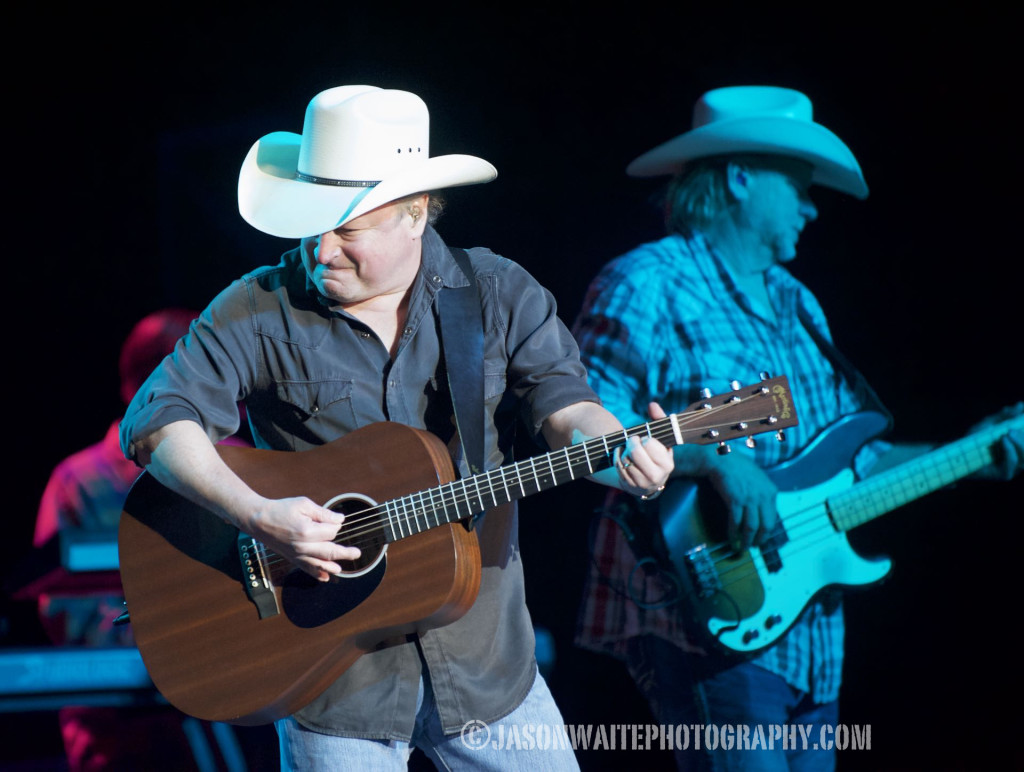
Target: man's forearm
(182, 457)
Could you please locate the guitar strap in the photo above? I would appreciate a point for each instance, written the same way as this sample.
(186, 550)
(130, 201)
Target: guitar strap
(857, 380)
(462, 341)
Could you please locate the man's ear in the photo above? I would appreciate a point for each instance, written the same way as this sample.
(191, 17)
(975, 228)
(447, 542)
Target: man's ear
(737, 180)
(417, 209)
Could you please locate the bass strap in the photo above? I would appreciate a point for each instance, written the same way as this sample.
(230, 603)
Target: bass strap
(857, 381)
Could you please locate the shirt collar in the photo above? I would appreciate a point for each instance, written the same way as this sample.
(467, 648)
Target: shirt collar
(437, 267)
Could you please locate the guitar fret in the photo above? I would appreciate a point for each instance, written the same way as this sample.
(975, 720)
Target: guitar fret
(586, 456)
(388, 511)
(504, 484)
(519, 478)
(479, 496)
(447, 503)
(453, 486)
(536, 477)
(422, 522)
(430, 508)
(452, 511)
(440, 493)
(413, 519)
(490, 487)
(440, 507)
(403, 519)
(465, 499)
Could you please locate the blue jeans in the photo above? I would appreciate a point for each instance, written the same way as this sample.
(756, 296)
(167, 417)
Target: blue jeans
(515, 742)
(740, 696)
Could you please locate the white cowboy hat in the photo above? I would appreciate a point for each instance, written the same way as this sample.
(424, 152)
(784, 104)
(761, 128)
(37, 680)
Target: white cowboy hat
(757, 119)
(361, 147)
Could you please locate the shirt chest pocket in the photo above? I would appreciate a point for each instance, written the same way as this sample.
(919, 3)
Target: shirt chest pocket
(328, 401)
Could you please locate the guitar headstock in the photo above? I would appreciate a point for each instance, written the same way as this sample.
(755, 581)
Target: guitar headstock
(743, 412)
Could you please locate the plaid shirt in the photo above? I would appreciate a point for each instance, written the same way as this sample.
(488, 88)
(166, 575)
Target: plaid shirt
(661, 323)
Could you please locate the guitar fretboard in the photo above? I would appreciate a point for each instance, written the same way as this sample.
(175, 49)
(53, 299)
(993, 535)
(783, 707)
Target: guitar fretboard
(466, 497)
(766, 406)
(914, 479)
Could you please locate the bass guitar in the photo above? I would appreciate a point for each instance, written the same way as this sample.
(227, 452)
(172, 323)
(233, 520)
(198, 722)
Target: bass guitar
(231, 632)
(745, 601)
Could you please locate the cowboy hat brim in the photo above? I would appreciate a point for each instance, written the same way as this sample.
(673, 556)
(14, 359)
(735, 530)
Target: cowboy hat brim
(834, 165)
(274, 200)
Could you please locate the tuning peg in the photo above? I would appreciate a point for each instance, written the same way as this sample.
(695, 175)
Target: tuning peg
(735, 386)
(705, 393)
(780, 435)
(765, 375)
(751, 442)
(722, 449)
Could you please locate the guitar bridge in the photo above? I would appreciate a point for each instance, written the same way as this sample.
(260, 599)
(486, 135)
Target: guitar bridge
(255, 576)
(702, 571)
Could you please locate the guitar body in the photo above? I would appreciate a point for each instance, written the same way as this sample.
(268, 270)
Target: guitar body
(747, 601)
(207, 647)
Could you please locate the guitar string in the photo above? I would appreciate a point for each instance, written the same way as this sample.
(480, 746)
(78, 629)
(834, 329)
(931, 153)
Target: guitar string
(659, 429)
(656, 428)
(448, 497)
(370, 519)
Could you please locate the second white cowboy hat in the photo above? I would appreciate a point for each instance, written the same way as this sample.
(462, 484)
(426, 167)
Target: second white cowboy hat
(361, 147)
(758, 119)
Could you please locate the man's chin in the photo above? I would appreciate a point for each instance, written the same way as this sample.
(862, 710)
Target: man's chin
(786, 253)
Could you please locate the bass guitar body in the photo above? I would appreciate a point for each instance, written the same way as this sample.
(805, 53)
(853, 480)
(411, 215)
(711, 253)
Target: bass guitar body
(744, 601)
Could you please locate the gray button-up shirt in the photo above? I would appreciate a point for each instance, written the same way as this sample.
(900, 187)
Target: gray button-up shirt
(309, 374)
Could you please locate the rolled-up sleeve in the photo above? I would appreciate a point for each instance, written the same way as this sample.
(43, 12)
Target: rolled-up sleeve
(210, 370)
(544, 370)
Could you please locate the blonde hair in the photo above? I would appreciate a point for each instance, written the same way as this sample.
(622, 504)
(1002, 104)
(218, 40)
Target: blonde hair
(696, 196)
(700, 193)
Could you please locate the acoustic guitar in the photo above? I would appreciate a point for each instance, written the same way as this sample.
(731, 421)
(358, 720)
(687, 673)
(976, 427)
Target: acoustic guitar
(231, 632)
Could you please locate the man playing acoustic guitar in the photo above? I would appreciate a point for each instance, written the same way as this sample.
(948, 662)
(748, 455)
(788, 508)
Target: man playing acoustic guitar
(344, 333)
(708, 303)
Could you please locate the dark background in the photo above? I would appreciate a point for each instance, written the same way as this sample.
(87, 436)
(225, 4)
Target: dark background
(124, 138)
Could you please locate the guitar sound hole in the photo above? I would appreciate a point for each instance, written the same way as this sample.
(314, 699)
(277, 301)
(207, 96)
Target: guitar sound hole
(363, 528)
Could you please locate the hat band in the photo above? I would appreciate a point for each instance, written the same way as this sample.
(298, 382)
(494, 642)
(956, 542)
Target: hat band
(339, 183)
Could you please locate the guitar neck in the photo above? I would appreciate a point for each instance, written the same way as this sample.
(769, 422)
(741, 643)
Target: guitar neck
(468, 496)
(764, 407)
(914, 479)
